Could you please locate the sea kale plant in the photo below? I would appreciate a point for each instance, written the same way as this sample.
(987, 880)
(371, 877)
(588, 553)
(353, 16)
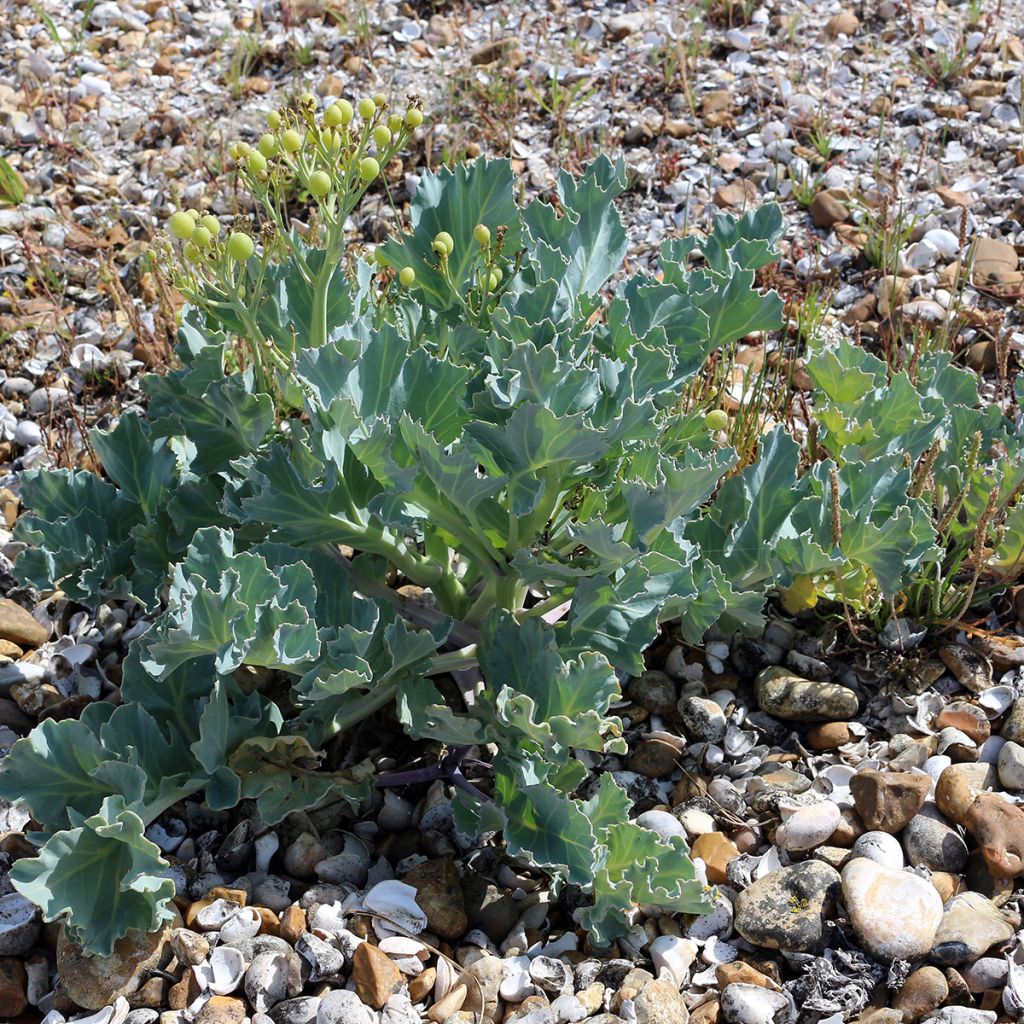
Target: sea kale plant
(462, 484)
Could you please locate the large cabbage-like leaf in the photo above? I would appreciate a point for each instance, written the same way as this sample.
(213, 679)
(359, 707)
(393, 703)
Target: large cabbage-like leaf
(102, 878)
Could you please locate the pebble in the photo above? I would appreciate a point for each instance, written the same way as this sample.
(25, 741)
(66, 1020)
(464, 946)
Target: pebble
(958, 787)
(971, 925)
(13, 987)
(672, 956)
(972, 670)
(267, 980)
(998, 828)
(342, 1007)
(787, 909)
(931, 842)
(19, 627)
(654, 691)
(717, 852)
(702, 718)
(439, 894)
(808, 827)
(881, 847)
(925, 990)
(894, 913)
(751, 1004)
(665, 824)
(886, 801)
(786, 696)
(375, 975)
(94, 982)
(1011, 766)
(659, 1002)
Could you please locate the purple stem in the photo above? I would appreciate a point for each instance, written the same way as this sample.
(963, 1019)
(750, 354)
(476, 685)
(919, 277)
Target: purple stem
(449, 767)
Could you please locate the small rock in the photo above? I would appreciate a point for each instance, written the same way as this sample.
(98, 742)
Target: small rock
(826, 210)
(451, 1003)
(881, 847)
(1013, 723)
(990, 258)
(787, 909)
(717, 100)
(1011, 766)
(665, 824)
(751, 1004)
(828, 736)
(962, 1015)
(932, 843)
(625, 25)
(375, 975)
(97, 981)
(786, 696)
(654, 691)
(439, 893)
(808, 827)
(672, 957)
(894, 913)
(845, 23)
(972, 670)
(959, 785)
(18, 625)
(739, 973)
(659, 1002)
(921, 993)
(340, 1006)
(300, 1010)
(222, 1010)
(267, 980)
(702, 718)
(970, 926)
(717, 851)
(968, 718)
(655, 757)
(886, 801)
(13, 987)
(998, 828)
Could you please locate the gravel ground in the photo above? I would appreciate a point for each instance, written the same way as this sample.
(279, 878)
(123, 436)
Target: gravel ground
(865, 854)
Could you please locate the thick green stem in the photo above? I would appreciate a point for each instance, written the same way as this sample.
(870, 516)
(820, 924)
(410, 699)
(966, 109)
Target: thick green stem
(321, 288)
(362, 708)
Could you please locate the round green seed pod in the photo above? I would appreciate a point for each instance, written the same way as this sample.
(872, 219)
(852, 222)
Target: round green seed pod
(240, 246)
(267, 145)
(443, 238)
(395, 123)
(182, 225)
(291, 141)
(256, 162)
(492, 281)
(194, 214)
(414, 117)
(319, 183)
(368, 168)
(367, 108)
(201, 238)
(482, 233)
(407, 276)
(307, 99)
(191, 252)
(380, 100)
(211, 224)
(717, 419)
(274, 120)
(382, 135)
(333, 116)
(347, 113)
